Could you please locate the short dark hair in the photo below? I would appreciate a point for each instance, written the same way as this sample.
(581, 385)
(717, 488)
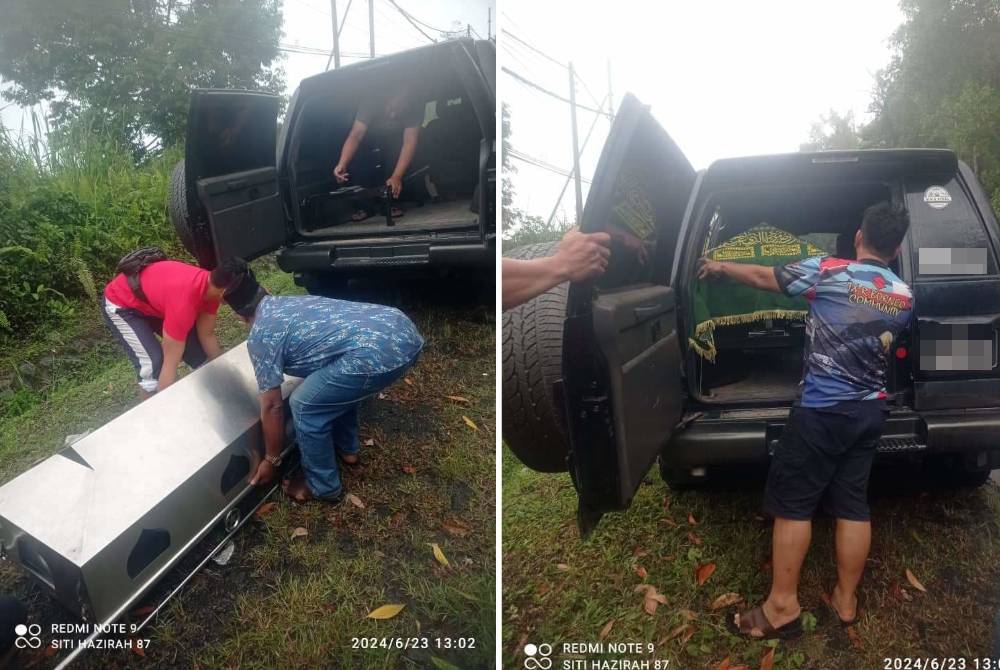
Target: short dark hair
(883, 227)
(228, 273)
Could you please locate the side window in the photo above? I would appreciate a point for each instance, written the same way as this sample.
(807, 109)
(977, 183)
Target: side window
(948, 237)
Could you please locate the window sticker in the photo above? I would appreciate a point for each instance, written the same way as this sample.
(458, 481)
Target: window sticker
(946, 261)
(947, 347)
(937, 197)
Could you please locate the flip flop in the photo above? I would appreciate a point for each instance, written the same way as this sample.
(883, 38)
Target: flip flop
(755, 618)
(828, 600)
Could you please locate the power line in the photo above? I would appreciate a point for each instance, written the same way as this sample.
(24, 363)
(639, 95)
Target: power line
(412, 21)
(535, 49)
(528, 82)
(538, 162)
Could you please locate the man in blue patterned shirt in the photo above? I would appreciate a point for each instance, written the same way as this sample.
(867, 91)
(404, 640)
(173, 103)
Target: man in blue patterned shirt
(345, 351)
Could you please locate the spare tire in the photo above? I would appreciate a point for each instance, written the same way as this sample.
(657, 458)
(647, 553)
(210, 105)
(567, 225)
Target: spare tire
(533, 426)
(180, 217)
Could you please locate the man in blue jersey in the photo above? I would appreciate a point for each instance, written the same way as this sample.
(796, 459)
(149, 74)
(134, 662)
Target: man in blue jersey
(857, 308)
(346, 352)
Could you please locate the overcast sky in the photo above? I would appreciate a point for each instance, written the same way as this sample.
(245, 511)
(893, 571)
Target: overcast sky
(724, 77)
(308, 23)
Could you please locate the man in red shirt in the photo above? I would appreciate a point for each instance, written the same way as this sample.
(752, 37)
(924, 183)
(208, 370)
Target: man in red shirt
(179, 302)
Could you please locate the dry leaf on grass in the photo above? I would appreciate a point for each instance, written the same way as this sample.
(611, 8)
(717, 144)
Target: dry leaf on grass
(704, 571)
(370, 442)
(666, 503)
(385, 611)
(455, 527)
(470, 423)
(695, 540)
(855, 638)
(265, 508)
(409, 469)
(692, 520)
(683, 629)
(687, 615)
(639, 552)
(726, 600)
(562, 567)
(299, 532)
(458, 398)
(914, 582)
(651, 598)
(767, 663)
(607, 629)
(670, 522)
(543, 589)
(137, 647)
(641, 571)
(407, 381)
(439, 555)
(723, 664)
(356, 501)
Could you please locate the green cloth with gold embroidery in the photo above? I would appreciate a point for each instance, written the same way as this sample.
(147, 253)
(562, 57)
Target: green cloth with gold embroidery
(724, 302)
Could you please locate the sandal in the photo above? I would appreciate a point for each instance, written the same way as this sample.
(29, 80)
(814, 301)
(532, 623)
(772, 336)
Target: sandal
(755, 619)
(827, 598)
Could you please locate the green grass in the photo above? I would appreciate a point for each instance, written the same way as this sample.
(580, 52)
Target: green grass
(559, 588)
(298, 603)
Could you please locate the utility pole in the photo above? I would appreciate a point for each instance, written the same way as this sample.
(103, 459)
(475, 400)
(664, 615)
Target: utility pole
(336, 37)
(489, 23)
(576, 147)
(371, 28)
(468, 30)
(611, 99)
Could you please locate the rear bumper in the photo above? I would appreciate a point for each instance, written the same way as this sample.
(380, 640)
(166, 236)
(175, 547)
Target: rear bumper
(356, 256)
(748, 436)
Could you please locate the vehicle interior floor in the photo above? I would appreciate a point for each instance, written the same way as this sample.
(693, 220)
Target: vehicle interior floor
(749, 375)
(440, 215)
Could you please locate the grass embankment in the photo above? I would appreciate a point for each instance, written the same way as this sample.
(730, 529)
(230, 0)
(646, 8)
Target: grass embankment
(558, 588)
(428, 478)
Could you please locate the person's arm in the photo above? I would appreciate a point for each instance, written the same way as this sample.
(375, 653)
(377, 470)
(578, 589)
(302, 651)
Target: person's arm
(350, 148)
(410, 138)
(205, 327)
(272, 421)
(756, 276)
(173, 352)
(578, 257)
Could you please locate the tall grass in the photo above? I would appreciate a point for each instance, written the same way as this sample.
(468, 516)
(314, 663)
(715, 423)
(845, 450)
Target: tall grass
(70, 207)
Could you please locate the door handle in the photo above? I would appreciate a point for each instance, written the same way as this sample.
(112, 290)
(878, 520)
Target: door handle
(236, 184)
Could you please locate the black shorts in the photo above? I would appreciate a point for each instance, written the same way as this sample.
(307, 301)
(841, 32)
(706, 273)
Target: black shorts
(825, 455)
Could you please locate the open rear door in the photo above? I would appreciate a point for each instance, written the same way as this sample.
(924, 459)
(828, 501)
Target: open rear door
(621, 353)
(231, 176)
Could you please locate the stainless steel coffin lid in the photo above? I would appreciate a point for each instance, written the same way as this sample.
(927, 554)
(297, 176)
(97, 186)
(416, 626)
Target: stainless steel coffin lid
(100, 520)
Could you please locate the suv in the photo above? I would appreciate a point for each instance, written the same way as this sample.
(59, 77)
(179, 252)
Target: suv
(599, 380)
(234, 195)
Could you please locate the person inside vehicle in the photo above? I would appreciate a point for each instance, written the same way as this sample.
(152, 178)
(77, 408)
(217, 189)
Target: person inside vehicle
(174, 300)
(392, 124)
(345, 351)
(856, 309)
(579, 257)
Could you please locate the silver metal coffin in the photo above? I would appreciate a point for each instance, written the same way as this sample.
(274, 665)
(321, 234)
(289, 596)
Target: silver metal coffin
(100, 521)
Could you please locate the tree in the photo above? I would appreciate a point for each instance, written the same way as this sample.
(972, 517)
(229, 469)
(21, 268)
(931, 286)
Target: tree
(129, 64)
(833, 131)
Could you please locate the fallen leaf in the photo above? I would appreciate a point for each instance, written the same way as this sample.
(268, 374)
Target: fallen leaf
(666, 503)
(914, 582)
(726, 600)
(638, 552)
(385, 611)
(562, 566)
(407, 381)
(137, 648)
(649, 605)
(683, 628)
(641, 571)
(607, 629)
(409, 469)
(723, 664)
(642, 588)
(767, 663)
(396, 519)
(704, 571)
(687, 615)
(458, 398)
(543, 589)
(692, 520)
(651, 599)
(905, 594)
(695, 540)
(687, 635)
(670, 522)
(381, 396)
(738, 667)
(855, 638)
(439, 555)
(378, 554)
(455, 527)
(265, 508)
(470, 423)
(370, 442)
(299, 532)
(356, 501)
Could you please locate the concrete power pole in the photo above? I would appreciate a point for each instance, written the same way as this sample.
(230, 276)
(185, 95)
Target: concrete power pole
(489, 23)
(371, 28)
(611, 99)
(576, 146)
(336, 37)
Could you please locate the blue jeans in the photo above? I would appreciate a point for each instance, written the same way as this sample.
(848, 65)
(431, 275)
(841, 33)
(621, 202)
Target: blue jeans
(325, 410)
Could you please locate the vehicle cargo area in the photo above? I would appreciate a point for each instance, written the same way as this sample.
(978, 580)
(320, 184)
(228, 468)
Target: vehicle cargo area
(439, 186)
(759, 359)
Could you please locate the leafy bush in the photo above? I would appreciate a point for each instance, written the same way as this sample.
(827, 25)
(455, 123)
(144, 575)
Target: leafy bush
(66, 216)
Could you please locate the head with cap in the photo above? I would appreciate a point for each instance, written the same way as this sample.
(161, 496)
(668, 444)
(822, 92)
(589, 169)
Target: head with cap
(241, 290)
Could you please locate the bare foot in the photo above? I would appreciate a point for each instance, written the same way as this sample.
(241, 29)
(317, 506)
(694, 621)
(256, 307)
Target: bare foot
(297, 489)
